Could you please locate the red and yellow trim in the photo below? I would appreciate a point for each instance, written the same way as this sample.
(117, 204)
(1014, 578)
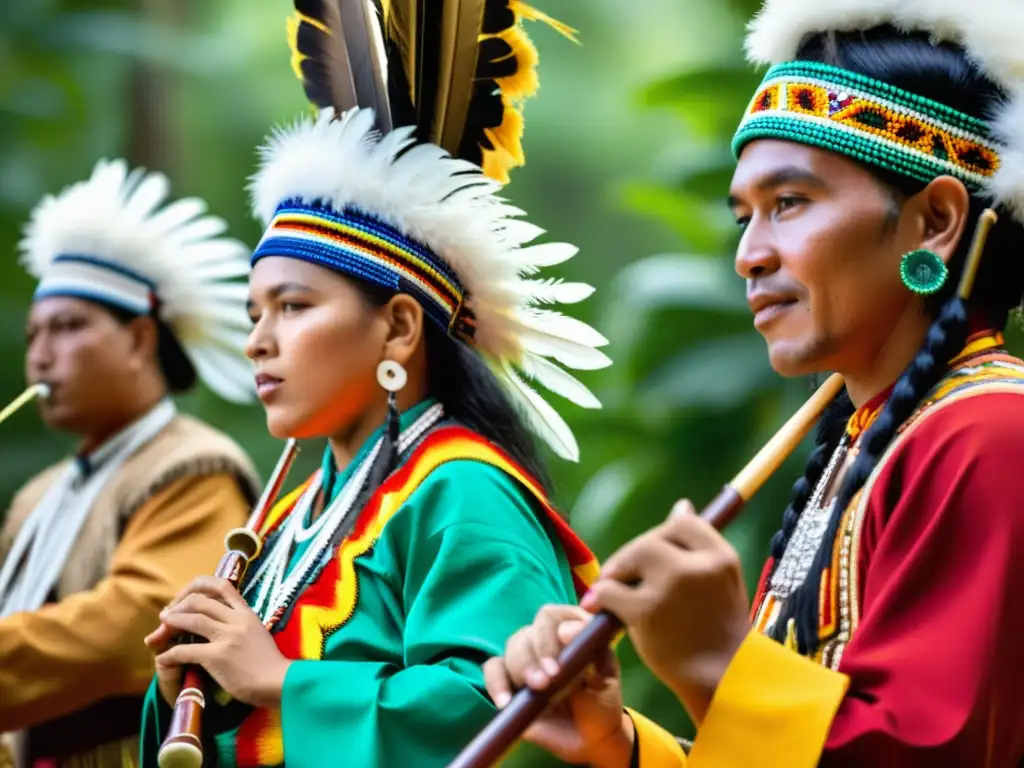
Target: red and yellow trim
(327, 604)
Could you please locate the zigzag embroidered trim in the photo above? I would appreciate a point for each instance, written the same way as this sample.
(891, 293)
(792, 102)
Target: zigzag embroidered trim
(868, 120)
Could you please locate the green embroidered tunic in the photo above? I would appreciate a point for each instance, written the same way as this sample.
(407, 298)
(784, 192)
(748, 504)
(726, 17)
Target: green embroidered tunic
(466, 560)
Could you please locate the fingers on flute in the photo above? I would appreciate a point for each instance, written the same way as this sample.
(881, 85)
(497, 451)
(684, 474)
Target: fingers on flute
(689, 530)
(629, 563)
(211, 586)
(496, 679)
(199, 602)
(194, 623)
(179, 655)
(531, 654)
(637, 569)
(158, 639)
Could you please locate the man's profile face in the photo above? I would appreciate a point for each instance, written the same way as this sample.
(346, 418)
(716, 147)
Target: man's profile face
(820, 252)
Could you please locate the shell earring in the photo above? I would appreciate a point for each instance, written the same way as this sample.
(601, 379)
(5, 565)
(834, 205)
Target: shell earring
(392, 377)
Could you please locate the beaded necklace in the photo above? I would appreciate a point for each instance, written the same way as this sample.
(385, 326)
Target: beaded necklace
(277, 587)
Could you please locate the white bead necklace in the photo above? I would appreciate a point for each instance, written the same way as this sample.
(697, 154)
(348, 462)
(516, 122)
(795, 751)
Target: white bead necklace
(810, 530)
(277, 588)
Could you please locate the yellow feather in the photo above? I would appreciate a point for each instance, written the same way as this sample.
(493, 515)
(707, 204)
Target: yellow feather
(507, 139)
(293, 22)
(297, 58)
(528, 12)
(524, 82)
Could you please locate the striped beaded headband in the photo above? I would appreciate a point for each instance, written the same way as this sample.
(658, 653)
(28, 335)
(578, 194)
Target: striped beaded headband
(365, 248)
(869, 120)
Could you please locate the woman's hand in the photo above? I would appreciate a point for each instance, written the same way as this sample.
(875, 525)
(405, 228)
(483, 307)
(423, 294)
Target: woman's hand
(679, 589)
(240, 653)
(589, 725)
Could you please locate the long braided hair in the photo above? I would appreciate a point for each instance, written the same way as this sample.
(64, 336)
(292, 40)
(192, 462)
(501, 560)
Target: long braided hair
(943, 73)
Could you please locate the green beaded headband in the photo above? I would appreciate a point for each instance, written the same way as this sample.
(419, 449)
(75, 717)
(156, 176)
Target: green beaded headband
(869, 120)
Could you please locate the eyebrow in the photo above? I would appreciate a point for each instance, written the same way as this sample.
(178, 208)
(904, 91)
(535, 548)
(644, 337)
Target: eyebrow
(276, 290)
(785, 175)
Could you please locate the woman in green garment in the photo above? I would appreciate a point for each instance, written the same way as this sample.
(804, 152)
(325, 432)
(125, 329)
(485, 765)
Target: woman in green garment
(392, 313)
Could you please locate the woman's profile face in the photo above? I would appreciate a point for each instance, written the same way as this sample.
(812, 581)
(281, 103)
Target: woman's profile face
(316, 343)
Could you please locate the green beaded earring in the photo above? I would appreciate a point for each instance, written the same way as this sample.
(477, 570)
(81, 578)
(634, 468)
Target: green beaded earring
(923, 271)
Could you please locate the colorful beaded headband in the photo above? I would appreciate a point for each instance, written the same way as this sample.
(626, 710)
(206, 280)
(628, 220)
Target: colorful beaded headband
(869, 120)
(366, 248)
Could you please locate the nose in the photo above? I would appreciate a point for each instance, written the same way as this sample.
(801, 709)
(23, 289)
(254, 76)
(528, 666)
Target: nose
(260, 344)
(757, 255)
(39, 357)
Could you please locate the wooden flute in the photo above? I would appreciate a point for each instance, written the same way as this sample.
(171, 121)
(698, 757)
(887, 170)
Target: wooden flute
(183, 746)
(502, 733)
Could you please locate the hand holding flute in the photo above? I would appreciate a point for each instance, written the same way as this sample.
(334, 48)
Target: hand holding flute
(679, 590)
(239, 654)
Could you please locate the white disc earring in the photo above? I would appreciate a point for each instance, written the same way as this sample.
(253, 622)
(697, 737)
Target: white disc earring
(391, 375)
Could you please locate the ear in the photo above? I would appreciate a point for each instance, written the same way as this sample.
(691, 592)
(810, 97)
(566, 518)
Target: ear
(405, 328)
(143, 339)
(944, 207)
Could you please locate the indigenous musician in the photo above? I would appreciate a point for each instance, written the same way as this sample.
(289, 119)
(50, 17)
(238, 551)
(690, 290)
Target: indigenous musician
(132, 305)
(886, 627)
(391, 314)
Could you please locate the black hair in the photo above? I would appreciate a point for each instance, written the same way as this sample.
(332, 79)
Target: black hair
(943, 73)
(459, 378)
(177, 369)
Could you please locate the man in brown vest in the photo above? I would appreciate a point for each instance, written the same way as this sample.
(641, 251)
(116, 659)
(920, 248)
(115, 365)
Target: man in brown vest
(134, 303)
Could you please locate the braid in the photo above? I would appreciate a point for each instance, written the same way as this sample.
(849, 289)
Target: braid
(946, 337)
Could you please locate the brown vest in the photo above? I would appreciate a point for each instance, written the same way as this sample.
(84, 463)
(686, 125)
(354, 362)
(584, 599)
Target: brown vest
(105, 733)
(185, 448)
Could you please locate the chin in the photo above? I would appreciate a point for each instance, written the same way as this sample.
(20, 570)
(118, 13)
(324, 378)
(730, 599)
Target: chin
(283, 425)
(790, 359)
(280, 424)
(61, 420)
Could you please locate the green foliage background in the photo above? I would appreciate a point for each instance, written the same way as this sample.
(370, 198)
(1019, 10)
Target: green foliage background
(627, 148)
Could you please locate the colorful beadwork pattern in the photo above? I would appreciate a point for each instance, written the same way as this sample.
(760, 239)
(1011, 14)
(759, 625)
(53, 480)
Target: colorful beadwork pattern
(868, 120)
(366, 248)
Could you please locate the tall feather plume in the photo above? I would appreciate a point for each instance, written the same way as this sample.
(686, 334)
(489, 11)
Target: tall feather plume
(457, 72)
(465, 68)
(338, 54)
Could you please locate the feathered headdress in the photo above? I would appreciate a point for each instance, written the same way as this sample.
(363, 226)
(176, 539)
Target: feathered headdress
(108, 239)
(988, 154)
(396, 182)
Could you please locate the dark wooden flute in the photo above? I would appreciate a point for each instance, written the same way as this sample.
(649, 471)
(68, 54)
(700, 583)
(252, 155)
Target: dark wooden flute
(502, 733)
(183, 745)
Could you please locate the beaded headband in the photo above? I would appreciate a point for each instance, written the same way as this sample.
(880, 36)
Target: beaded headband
(366, 248)
(871, 121)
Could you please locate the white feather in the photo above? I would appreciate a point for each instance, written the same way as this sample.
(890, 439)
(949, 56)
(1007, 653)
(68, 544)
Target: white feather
(568, 353)
(989, 31)
(542, 418)
(552, 291)
(116, 215)
(449, 206)
(549, 375)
